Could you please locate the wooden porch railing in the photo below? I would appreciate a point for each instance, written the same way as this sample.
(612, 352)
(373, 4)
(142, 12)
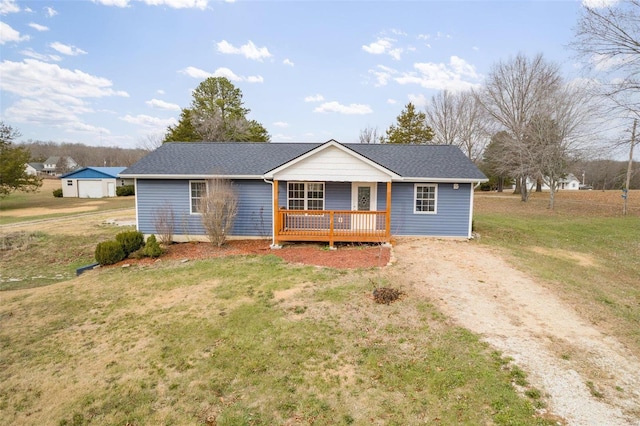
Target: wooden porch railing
(332, 226)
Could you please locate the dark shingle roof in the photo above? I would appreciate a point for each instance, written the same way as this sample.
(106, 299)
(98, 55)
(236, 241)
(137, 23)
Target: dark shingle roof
(255, 159)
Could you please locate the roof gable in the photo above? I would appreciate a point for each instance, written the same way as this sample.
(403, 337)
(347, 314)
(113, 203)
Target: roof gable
(331, 161)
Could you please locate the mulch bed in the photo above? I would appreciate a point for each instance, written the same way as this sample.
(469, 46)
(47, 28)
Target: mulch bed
(347, 256)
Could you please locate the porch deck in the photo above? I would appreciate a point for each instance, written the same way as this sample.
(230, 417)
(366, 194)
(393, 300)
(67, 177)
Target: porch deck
(332, 226)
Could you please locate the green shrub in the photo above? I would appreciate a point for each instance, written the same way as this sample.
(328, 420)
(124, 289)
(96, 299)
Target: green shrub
(152, 247)
(57, 193)
(109, 252)
(130, 241)
(126, 190)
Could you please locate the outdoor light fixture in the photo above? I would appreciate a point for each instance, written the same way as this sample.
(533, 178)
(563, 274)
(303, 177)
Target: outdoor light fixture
(456, 186)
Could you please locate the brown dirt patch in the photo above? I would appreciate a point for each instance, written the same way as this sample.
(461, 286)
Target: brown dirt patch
(347, 256)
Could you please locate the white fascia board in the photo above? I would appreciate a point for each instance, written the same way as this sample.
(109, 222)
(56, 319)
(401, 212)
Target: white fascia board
(270, 174)
(441, 180)
(190, 177)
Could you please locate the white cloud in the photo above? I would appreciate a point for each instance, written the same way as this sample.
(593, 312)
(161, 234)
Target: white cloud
(174, 4)
(249, 50)
(116, 3)
(157, 103)
(281, 124)
(607, 62)
(457, 75)
(382, 75)
(148, 122)
(51, 94)
(8, 6)
(160, 92)
(314, 98)
(196, 73)
(38, 27)
(66, 49)
(30, 53)
(344, 109)
(255, 79)
(226, 72)
(50, 12)
(391, 101)
(384, 46)
(179, 4)
(220, 72)
(288, 62)
(32, 78)
(418, 100)
(596, 4)
(8, 34)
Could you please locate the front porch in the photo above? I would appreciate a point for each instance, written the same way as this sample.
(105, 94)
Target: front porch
(371, 226)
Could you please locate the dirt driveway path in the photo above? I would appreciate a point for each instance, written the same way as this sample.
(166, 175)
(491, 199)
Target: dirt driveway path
(565, 357)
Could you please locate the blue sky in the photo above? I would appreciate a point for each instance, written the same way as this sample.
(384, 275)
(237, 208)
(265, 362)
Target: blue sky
(115, 72)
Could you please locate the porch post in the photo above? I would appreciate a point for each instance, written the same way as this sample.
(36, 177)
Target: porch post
(276, 214)
(388, 216)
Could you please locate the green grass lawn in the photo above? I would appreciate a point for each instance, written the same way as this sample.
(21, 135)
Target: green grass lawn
(243, 341)
(250, 340)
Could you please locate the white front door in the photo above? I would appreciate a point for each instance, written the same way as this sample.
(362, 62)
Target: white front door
(363, 198)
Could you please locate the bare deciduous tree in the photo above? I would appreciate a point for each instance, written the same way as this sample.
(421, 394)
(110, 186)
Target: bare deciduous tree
(219, 208)
(369, 135)
(608, 39)
(442, 115)
(164, 223)
(514, 92)
(150, 142)
(457, 119)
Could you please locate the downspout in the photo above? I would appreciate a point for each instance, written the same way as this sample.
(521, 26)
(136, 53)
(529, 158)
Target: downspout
(273, 216)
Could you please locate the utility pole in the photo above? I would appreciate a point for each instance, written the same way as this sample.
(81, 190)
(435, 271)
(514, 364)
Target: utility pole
(625, 194)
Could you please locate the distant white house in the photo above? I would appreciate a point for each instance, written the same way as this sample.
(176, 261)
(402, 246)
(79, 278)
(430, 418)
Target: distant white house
(34, 169)
(92, 182)
(55, 166)
(569, 183)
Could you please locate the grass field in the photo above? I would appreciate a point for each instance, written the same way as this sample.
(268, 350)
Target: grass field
(584, 249)
(20, 206)
(254, 341)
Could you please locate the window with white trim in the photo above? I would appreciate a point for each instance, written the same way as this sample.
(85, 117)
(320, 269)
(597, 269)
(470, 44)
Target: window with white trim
(425, 198)
(198, 191)
(305, 196)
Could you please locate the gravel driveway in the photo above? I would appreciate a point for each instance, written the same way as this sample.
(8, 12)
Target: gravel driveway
(565, 357)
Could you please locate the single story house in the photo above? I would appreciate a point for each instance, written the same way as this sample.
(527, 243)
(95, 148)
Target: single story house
(311, 191)
(92, 182)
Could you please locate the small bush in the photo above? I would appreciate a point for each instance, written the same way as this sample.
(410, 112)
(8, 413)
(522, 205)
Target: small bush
(130, 241)
(152, 247)
(109, 252)
(125, 190)
(57, 193)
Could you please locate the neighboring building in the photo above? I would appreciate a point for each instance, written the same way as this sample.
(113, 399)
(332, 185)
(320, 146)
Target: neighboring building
(92, 182)
(312, 192)
(34, 169)
(569, 182)
(56, 166)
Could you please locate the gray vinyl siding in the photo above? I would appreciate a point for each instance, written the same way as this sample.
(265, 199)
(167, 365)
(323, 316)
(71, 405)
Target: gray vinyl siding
(254, 207)
(451, 220)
